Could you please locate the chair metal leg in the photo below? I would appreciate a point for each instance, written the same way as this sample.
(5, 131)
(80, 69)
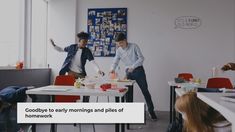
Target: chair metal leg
(97, 99)
(80, 128)
(108, 98)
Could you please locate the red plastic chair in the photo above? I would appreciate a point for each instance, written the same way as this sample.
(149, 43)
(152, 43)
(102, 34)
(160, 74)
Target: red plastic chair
(219, 82)
(185, 76)
(65, 80)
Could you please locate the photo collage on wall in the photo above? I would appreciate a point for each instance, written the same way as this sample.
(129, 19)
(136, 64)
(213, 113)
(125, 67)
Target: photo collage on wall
(103, 25)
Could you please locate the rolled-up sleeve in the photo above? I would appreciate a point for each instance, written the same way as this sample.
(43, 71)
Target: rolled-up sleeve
(59, 49)
(116, 60)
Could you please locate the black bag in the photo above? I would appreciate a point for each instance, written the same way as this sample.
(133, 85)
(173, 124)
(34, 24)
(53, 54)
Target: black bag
(13, 94)
(175, 126)
(9, 96)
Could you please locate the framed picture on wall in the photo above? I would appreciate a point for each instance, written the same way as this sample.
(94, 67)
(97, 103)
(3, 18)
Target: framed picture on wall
(103, 25)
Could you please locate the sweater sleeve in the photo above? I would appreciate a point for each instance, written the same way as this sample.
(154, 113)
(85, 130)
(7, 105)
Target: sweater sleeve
(59, 49)
(140, 58)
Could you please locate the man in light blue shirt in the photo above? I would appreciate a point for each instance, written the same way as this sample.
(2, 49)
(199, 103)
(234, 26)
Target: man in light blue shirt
(133, 59)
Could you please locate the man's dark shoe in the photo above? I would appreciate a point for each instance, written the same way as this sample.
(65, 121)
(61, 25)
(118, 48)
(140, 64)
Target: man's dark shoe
(152, 116)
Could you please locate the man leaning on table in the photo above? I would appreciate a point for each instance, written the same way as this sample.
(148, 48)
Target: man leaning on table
(131, 56)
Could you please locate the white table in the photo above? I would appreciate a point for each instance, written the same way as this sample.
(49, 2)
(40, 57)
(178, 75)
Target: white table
(71, 90)
(227, 109)
(53, 90)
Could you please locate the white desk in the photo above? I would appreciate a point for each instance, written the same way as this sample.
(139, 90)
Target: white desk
(227, 109)
(53, 90)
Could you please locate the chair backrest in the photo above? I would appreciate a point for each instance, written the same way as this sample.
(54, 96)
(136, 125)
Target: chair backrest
(219, 82)
(65, 80)
(185, 76)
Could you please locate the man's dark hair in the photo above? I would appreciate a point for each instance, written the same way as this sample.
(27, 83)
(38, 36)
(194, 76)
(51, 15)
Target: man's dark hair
(120, 37)
(83, 35)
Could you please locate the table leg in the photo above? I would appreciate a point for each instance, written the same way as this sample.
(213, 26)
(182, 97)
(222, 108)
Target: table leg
(172, 103)
(34, 99)
(173, 107)
(122, 125)
(53, 126)
(117, 125)
(171, 89)
(129, 98)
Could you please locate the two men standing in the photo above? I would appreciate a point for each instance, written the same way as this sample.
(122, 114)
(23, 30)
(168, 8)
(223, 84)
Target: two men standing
(129, 53)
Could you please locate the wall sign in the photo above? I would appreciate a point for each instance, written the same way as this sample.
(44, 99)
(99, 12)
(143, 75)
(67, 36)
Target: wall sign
(103, 24)
(188, 22)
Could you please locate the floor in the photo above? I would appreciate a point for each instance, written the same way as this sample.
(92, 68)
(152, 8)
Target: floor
(157, 126)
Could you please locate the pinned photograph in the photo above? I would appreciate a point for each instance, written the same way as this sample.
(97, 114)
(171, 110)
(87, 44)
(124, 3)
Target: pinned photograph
(89, 22)
(114, 17)
(100, 14)
(124, 28)
(97, 36)
(113, 50)
(91, 13)
(106, 51)
(97, 29)
(91, 28)
(121, 13)
(97, 21)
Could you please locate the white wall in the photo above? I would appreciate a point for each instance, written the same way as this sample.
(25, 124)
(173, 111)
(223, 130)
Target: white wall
(167, 50)
(61, 27)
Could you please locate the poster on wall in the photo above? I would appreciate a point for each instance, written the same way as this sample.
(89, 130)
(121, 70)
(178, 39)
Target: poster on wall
(103, 25)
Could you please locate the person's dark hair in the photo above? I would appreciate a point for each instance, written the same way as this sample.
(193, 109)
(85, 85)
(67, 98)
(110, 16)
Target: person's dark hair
(83, 35)
(120, 37)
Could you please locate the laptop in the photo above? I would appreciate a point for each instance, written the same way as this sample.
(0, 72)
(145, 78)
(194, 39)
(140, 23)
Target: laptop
(230, 98)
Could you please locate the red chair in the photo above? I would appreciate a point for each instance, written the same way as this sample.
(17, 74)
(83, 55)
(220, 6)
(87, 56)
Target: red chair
(219, 82)
(185, 76)
(65, 80)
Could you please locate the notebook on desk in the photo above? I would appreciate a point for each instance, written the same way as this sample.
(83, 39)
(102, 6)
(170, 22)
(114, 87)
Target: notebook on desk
(230, 98)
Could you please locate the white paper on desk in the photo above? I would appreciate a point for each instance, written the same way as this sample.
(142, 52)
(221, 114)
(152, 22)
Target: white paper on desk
(55, 89)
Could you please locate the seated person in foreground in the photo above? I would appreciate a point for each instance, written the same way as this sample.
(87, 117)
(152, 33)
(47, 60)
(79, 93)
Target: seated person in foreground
(198, 116)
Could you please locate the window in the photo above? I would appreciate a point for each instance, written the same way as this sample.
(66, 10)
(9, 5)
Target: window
(39, 34)
(12, 31)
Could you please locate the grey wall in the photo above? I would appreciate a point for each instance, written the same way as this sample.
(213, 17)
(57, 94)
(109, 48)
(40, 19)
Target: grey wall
(167, 50)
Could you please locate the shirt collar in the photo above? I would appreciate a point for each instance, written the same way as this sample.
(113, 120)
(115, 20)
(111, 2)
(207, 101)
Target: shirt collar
(127, 47)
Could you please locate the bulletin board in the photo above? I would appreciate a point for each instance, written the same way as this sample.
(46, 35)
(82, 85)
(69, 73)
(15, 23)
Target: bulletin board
(103, 25)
